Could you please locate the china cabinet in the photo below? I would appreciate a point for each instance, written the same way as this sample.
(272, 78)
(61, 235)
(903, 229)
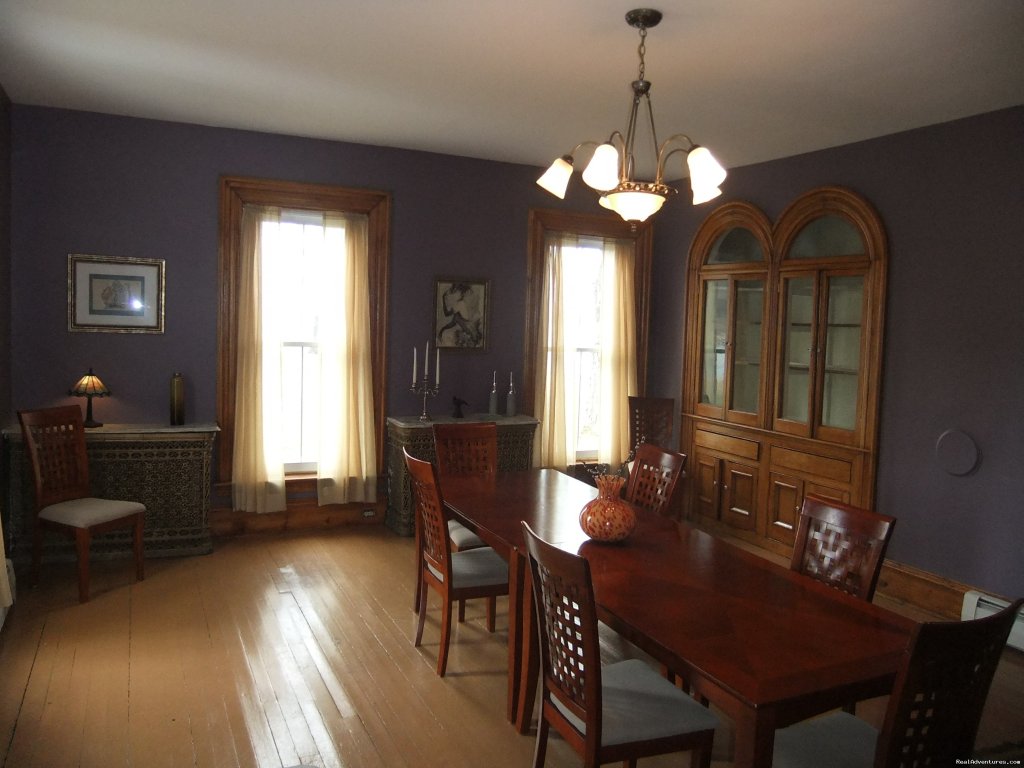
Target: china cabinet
(783, 361)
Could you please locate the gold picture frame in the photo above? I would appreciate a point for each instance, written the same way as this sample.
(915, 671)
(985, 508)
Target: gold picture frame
(115, 294)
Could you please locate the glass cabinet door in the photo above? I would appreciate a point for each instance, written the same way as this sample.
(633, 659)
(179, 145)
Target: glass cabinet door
(841, 372)
(745, 384)
(731, 347)
(715, 338)
(796, 378)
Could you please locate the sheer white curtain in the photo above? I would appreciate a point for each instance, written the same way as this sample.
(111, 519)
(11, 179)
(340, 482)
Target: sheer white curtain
(333, 283)
(556, 383)
(553, 447)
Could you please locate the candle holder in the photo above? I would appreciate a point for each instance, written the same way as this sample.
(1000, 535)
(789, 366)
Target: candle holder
(425, 389)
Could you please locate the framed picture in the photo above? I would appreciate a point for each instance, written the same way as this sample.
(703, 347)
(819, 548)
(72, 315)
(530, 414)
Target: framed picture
(114, 294)
(461, 308)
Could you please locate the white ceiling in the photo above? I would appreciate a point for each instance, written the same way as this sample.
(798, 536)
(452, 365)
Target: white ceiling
(522, 80)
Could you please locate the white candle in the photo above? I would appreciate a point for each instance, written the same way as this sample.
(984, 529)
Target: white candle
(426, 362)
(494, 380)
(414, 366)
(437, 367)
(510, 378)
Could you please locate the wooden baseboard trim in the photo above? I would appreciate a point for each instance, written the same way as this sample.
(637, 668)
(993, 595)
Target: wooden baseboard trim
(920, 589)
(300, 515)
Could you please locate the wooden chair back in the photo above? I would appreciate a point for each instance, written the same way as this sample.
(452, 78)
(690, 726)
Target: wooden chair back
(55, 443)
(466, 449)
(431, 518)
(841, 545)
(650, 421)
(654, 478)
(570, 652)
(937, 701)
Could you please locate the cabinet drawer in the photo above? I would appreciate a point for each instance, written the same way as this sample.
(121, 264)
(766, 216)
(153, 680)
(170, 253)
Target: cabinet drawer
(746, 449)
(837, 470)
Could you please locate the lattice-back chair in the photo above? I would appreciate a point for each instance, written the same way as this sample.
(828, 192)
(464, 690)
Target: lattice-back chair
(55, 443)
(841, 545)
(465, 449)
(650, 421)
(620, 712)
(654, 478)
(454, 576)
(934, 710)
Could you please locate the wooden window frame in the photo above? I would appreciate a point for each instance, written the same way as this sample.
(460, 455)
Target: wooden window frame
(237, 192)
(543, 222)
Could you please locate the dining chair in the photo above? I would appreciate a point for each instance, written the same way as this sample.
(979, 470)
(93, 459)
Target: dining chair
(650, 421)
(654, 477)
(934, 709)
(619, 712)
(466, 575)
(55, 443)
(465, 449)
(841, 545)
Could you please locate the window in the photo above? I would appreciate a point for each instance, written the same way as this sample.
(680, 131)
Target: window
(306, 222)
(582, 297)
(586, 334)
(303, 276)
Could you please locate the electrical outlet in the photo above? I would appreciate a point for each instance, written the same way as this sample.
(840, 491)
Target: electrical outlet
(368, 512)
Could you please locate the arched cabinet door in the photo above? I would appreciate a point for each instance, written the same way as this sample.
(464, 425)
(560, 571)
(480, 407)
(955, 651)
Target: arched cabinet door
(728, 284)
(831, 286)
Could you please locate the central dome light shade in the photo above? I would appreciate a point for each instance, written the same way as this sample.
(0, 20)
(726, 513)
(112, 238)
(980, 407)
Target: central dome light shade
(610, 169)
(634, 206)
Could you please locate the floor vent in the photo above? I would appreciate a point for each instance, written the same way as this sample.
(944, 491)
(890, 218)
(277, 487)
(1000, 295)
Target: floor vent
(977, 604)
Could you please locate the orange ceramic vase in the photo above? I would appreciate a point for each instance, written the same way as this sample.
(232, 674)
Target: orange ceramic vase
(608, 517)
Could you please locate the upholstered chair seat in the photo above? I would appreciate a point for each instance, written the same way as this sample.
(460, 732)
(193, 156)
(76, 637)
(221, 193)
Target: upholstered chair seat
(637, 705)
(87, 512)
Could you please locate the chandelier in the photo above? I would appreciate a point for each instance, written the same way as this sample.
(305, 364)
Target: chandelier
(612, 165)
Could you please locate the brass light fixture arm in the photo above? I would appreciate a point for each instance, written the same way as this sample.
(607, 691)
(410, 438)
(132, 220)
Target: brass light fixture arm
(666, 150)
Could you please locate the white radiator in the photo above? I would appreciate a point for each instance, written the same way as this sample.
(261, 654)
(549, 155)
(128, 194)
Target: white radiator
(977, 604)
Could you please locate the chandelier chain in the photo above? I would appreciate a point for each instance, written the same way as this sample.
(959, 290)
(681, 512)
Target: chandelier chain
(641, 50)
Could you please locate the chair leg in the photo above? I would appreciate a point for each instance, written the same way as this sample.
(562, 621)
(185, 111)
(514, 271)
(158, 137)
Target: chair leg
(492, 603)
(37, 552)
(700, 757)
(462, 611)
(82, 546)
(446, 632)
(421, 610)
(140, 568)
(419, 565)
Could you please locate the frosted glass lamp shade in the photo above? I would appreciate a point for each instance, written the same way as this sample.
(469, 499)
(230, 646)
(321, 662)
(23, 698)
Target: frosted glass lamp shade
(602, 172)
(556, 178)
(705, 171)
(635, 206)
(703, 194)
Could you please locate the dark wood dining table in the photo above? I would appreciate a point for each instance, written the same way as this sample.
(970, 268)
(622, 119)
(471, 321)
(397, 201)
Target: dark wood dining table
(764, 644)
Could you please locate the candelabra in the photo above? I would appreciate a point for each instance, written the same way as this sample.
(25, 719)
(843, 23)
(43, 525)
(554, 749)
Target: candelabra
(425, 389)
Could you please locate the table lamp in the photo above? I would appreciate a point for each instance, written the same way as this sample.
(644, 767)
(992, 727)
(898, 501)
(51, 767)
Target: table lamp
(90, 386)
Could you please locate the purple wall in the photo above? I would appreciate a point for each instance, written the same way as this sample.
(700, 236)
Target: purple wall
(951, 197)
(99, 184)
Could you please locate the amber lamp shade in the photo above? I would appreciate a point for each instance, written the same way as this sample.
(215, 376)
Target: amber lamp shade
(90, 386)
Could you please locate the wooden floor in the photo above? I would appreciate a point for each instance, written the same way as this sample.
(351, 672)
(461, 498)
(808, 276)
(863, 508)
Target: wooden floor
(273, 651)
